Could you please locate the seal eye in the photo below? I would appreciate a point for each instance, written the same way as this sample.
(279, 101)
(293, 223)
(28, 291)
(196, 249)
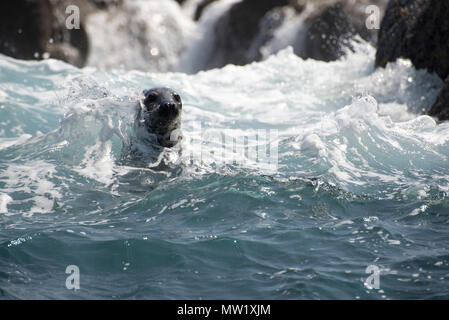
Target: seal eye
(150, 98)
(177, 97)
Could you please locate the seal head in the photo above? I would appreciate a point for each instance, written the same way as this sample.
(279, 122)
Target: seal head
(160, 114)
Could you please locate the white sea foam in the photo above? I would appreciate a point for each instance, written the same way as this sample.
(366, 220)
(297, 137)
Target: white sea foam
(33, 179)
(345, 122)
(4, 200)
(7, 142)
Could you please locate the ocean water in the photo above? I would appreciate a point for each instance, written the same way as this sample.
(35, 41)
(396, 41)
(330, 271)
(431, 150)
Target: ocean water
(355, 178)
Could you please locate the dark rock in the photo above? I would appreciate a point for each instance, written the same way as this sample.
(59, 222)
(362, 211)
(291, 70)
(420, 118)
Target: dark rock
(268, 26)
(25, 28)
(242, 33)
(331, 26)
(200, 8)
(328, 33)
(34, 29)
(104, 4)
(440, 108)
(74, 41)
(235, 31)
(68, 53)
(418, 30)
(357, 16)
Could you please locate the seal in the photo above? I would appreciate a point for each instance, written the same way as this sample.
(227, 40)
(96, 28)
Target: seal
(159, 113)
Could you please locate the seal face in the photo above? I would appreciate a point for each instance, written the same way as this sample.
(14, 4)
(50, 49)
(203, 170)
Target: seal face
(159, 113)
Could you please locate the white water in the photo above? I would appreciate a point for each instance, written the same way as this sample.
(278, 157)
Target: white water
(145, 35)
(352, 126)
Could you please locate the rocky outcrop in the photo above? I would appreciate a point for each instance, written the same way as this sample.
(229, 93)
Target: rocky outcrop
(418, 30)
(104, 4)
(70, 45)
(25, 28)
(440, 108)
(36, 29)
(243, 32)
(247, 32)
(332, 24)
(328, 31)
(235, 31)
(200, 8)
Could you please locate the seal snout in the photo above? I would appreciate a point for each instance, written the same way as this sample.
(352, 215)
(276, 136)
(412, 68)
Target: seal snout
(169, 109)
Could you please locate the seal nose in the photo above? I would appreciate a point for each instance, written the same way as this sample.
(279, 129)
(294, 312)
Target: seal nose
(168, 109)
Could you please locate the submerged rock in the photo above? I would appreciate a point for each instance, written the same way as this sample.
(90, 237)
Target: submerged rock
(418, 30)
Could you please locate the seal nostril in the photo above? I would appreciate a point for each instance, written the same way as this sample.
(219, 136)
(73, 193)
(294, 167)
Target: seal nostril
(168, 109)
(168, 106)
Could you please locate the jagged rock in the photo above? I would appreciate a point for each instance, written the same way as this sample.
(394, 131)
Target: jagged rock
(331, 26)
(418, 30)
(328, 32)
(440, 108)
(243, 34)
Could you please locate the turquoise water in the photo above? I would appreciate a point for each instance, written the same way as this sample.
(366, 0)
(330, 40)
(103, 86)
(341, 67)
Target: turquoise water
(359, 179)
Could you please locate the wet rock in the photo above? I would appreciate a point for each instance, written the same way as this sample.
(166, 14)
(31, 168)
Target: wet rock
(72, 44)
(247, 31)
(418, 30)
(36, 29)
(261, 46)
(440, 108)
(332, 24)
(328, 32)
(25, 28)
(104, 4)
(200, 8)
(235, 31)
(68, 53)
(358, 13)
